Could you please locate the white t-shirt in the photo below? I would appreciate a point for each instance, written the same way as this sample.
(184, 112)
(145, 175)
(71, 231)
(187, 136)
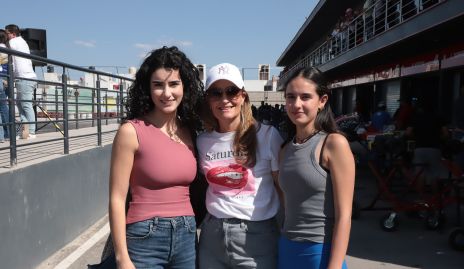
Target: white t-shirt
(22, 66)
(236, 191)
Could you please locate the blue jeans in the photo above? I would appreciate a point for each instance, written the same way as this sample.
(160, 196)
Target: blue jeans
(304, 255)
(236, 243)
(4, 112)
(162, 243)
(25, 92)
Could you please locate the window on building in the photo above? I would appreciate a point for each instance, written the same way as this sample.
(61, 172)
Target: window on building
(263, 72)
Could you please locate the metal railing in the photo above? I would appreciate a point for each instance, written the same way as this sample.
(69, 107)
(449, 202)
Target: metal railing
(373, 21)
(62, 102)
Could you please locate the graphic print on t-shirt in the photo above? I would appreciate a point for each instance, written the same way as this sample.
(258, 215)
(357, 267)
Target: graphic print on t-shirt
(233, 176)
(230, 179)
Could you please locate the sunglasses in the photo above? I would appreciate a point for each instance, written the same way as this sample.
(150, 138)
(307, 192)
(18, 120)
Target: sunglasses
(217, 93)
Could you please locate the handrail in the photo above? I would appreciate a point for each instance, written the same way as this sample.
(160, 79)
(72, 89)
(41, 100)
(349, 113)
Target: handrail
(383, 17)
(66, 105)
(54, 62)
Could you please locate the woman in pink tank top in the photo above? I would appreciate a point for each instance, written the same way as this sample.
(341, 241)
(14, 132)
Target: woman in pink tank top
(153, 159)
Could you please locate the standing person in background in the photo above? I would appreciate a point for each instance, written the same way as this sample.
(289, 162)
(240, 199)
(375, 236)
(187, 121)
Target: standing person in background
(403, 115)
(4, 110)
(22, 68)
(153, 157)
(317, 174)
(429, 131)
(238, 156)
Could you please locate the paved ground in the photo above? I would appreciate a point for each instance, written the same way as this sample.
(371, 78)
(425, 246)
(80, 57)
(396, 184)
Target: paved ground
(370, 248)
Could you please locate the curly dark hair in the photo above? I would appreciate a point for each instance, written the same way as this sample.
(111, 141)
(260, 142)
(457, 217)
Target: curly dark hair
(139, 102)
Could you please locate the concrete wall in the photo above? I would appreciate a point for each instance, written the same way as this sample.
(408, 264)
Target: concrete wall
(45, 206)
(268, 97)
(256, 85)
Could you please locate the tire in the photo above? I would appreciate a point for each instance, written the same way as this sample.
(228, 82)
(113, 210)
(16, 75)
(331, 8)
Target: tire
(456, 239)
(434, 220)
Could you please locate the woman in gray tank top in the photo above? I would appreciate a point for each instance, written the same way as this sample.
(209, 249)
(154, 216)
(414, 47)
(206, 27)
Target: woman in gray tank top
(317, 174)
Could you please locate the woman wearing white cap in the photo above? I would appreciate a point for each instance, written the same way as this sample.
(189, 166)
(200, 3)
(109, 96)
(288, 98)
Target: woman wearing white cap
(239, 158)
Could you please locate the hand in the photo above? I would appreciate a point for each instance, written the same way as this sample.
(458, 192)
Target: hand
(125, 264)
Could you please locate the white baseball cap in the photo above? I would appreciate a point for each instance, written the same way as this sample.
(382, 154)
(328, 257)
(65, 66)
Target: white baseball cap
(224, 71)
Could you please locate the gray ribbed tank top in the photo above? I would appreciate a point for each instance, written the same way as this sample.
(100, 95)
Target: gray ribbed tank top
(309, 207)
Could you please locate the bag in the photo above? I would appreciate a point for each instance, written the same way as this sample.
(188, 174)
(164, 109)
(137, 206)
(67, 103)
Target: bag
(108, 259)
(108, 263)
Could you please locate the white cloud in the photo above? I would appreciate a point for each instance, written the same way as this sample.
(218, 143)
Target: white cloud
(146, 48)
(185, 43)
(87, 44)
(143, 46)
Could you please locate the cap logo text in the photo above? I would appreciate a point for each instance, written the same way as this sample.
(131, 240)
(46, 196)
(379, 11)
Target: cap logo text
(223, 69)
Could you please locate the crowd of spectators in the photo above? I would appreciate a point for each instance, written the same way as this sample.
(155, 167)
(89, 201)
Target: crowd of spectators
(361, 23)
(270, 115)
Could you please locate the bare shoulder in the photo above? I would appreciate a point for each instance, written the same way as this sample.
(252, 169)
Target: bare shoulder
(127, 130)
(126, 136)
(336, 141)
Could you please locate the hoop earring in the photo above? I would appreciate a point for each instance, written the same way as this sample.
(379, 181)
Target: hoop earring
(319, 110)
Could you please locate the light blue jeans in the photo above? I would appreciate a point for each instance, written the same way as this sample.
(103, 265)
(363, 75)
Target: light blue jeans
(162, 243)
(235, 243)
(25, 93)
(4, 113)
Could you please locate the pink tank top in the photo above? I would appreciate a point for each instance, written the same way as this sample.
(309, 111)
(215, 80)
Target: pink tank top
(161, 174)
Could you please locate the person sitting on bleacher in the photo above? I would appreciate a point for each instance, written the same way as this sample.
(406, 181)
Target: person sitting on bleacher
(380, 119)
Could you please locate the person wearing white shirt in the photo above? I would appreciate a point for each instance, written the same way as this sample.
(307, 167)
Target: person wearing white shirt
(22, 68)
(239, 158)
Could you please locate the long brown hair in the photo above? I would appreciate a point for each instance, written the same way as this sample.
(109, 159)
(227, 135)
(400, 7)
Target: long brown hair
(245, 141)
(324, 120)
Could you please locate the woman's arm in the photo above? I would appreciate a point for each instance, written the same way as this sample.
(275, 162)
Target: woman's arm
(276, 179)
(275, 142)
(340, 162)
(122, 156)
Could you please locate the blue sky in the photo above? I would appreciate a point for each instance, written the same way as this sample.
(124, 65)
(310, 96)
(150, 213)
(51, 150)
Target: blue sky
(120, 33)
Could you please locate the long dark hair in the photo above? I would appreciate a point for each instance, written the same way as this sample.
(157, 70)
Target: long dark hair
(324, 119)
(139, 101)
